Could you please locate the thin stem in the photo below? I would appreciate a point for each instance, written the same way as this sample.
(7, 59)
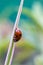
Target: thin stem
(12, 54)
(11, 40)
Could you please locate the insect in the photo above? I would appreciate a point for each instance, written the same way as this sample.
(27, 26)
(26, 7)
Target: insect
(17, 35)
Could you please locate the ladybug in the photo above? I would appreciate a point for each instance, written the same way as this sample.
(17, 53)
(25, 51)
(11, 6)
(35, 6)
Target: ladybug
(17, 35)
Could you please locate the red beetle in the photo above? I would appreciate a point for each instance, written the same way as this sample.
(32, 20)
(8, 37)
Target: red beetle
(18, 35)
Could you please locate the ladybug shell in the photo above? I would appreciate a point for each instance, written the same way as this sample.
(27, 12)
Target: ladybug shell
(18, 35)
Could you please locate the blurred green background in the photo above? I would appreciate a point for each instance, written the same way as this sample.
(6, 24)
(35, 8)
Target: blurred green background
(31, 24)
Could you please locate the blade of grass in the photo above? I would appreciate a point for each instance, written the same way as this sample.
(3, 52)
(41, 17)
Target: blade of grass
(11, 40)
